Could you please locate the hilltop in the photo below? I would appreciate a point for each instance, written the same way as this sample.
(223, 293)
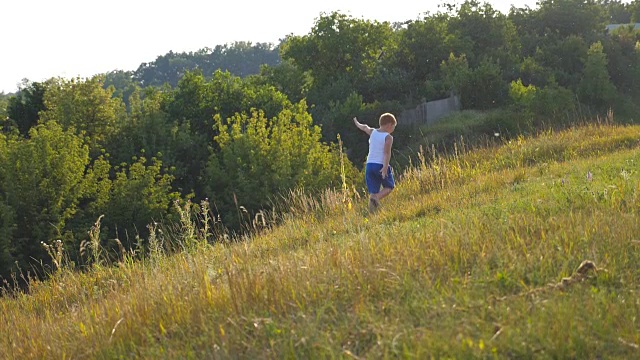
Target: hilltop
(523, 248)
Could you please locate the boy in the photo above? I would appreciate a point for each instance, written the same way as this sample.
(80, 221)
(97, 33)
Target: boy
(378, 172)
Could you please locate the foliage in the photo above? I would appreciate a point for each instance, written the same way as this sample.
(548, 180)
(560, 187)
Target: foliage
(42, 186)
(483, 88)
(23, 109)
(634, 10)
(4, 101)
(240, 58)
(521, 94)
(287, 78)
(455, 72)
(483, 32)
(517, 250)
(86, 107)
(423, 45)
(555, 102)
(532, 73)
(6, 214)
(261, 158)
(339, 49)
(138, 195)
(595, 87)
(122, 84)
(193, 105)
(617, 11)
(540, 104)
(566, 58)
(179, 126)
(621, 49)
(50, 189)
(571, 18)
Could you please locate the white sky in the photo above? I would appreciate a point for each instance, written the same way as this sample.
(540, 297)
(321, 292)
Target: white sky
(48, 38)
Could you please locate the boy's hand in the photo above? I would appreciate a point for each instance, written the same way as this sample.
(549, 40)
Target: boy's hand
(355, 121)
(384, 172)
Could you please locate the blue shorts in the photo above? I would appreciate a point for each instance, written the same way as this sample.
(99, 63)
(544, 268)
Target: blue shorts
(375, 180)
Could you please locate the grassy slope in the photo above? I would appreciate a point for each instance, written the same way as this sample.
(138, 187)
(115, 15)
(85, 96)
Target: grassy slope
(466, 259)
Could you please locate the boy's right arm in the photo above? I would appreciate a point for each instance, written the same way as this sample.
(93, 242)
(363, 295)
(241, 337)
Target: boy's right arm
(362, 127)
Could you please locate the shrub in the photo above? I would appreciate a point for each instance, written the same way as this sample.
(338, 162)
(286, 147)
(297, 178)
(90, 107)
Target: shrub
(260, 158)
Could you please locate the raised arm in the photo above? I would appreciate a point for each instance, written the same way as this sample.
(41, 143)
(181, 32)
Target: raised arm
(362, 127)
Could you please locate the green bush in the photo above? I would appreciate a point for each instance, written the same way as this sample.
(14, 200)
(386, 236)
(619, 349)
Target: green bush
(139, 194)
(260, 158)
(42, 185)
(550, 103)
(484, 89)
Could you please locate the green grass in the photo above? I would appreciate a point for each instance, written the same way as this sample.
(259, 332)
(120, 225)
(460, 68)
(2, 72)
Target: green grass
(466, 260)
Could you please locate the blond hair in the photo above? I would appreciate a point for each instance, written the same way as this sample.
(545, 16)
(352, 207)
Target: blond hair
(388, 118)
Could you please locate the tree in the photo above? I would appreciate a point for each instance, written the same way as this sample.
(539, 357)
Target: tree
(564, 18)
(532, 73)
(244, 58)
(484, 88)
(634, 9)
(483, 32)
(86, 107)
(557, 34)
(24, 108)
(197, 100)
(7, 215)
(527, 26)
(339, 50)
(193, 105)
(595, 87)
(42, 183)
(287, 78)
(422, 46)
(617, 12)
(455, 72)
(620, 49)
(4, 103)
(147, 131)
(122, 83)
(565, 57)
(240, 58)
(5, 123)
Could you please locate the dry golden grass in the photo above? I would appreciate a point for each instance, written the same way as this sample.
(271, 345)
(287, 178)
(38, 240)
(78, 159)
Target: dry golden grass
(476, 255)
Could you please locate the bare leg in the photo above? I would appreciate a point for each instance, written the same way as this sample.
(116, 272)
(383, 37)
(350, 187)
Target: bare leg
(383, 193)
(373, 203)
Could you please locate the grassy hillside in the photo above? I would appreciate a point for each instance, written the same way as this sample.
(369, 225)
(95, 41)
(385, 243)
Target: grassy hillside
(476, 255)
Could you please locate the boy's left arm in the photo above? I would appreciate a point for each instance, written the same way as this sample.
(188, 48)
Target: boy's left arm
(388, 143)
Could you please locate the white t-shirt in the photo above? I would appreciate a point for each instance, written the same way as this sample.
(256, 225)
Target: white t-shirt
(376, 147)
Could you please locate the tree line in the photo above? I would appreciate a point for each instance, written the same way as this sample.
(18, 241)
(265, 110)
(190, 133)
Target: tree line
(240, 124)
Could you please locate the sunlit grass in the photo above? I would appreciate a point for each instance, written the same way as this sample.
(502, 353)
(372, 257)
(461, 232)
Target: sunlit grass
(465, 260)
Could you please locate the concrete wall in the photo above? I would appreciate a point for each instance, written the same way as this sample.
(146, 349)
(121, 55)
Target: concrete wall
(428, 113)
